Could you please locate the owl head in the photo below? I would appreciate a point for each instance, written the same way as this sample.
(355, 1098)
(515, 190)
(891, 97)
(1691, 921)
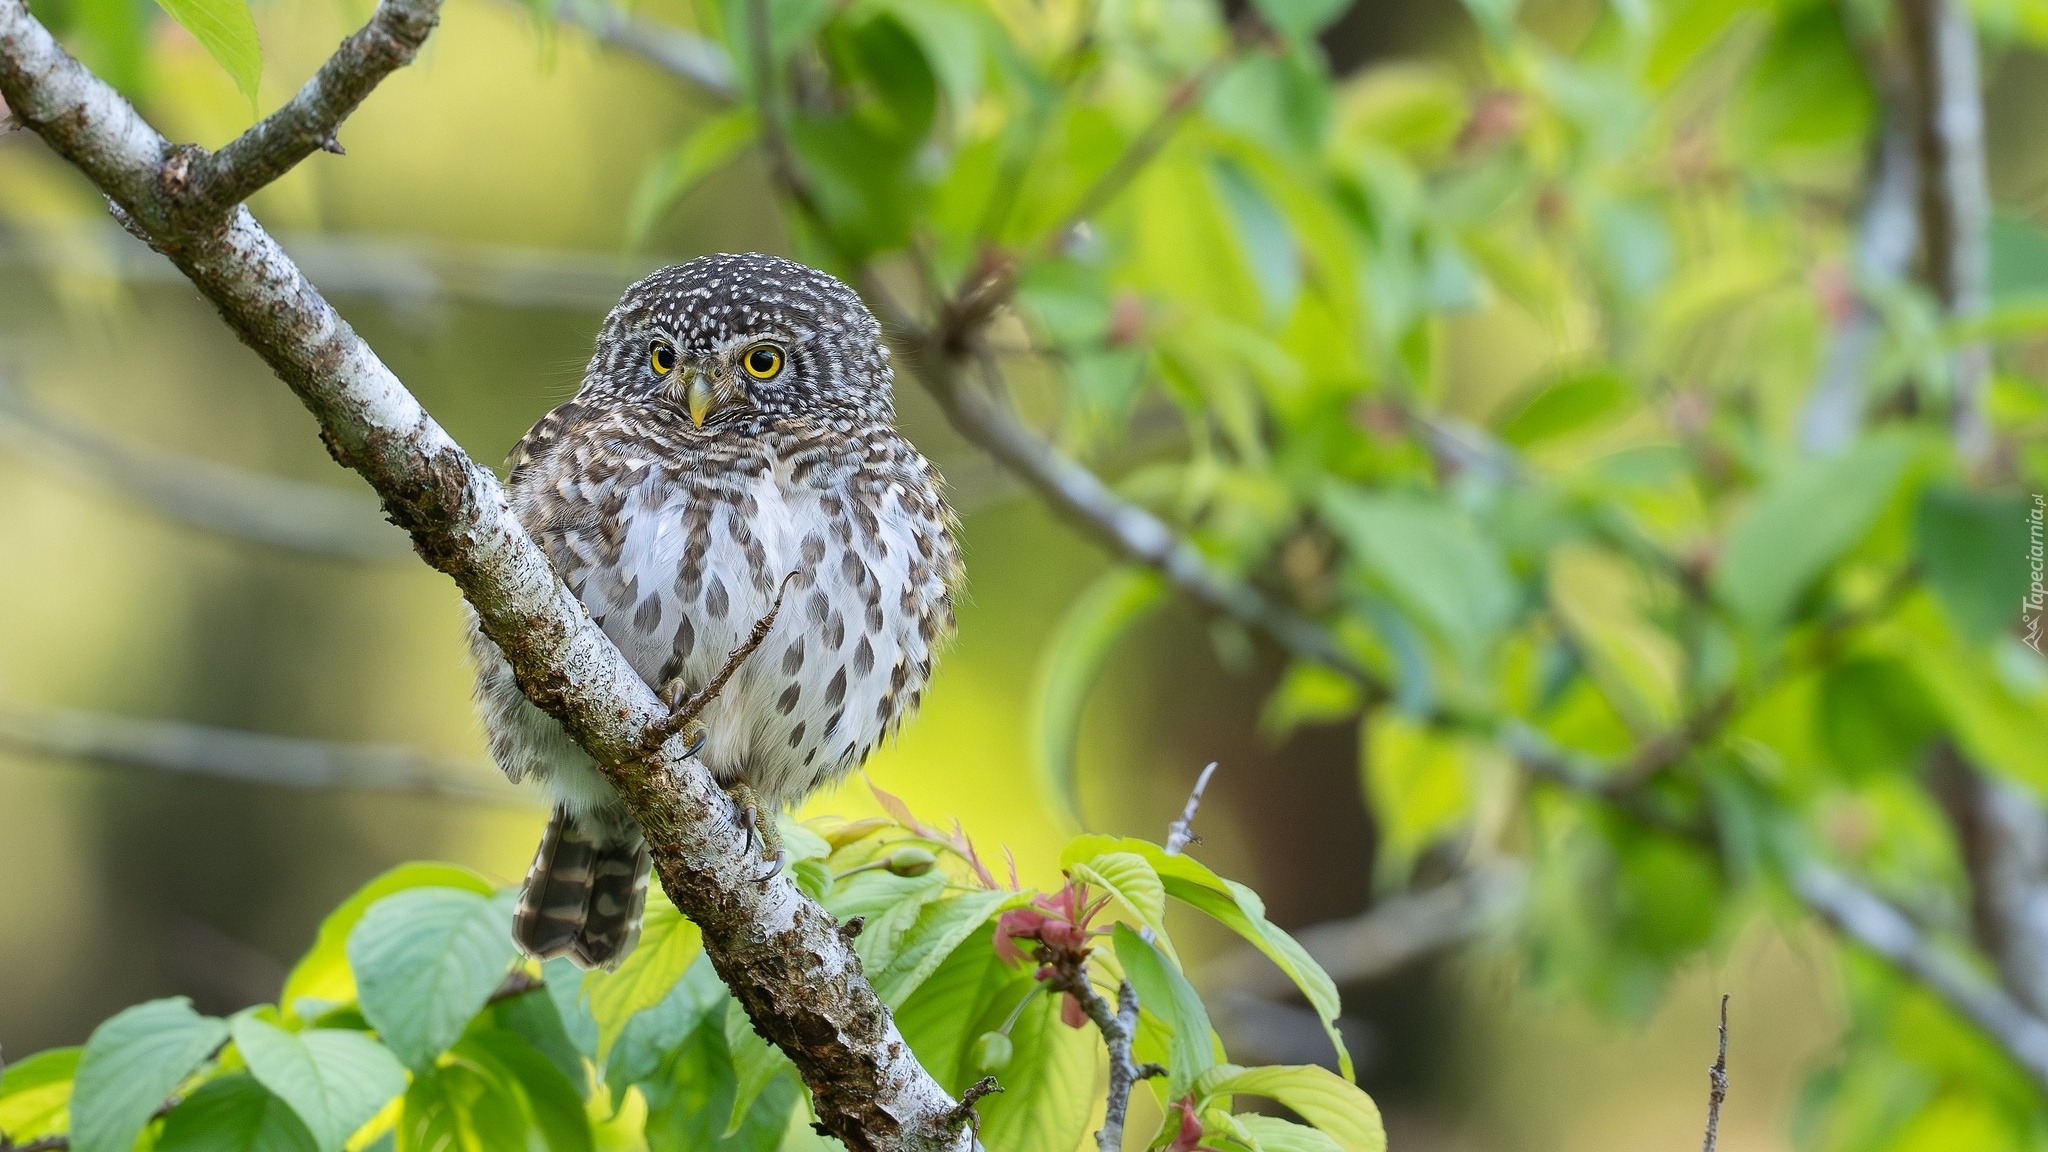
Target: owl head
(732, 340)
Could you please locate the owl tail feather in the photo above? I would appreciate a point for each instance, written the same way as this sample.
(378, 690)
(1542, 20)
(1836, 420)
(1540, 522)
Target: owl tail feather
(584, 894)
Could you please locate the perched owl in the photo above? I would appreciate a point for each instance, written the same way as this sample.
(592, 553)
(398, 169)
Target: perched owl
(734, 435)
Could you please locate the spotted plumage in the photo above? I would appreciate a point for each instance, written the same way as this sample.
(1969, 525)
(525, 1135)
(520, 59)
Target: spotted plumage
(674, 494)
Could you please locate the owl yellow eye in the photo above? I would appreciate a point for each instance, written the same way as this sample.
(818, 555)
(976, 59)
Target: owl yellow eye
(763, 361)
(663, 357)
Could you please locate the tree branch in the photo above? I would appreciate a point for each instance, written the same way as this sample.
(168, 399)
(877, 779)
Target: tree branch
(1717, 1084)
(779, 953)
(310, 518)
(256, 757)
(1955, 194)
(1180, 833)
(684, 55)
(308, 122)
(1118, 1027)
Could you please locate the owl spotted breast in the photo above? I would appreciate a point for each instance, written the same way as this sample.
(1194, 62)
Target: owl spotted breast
(735, 430)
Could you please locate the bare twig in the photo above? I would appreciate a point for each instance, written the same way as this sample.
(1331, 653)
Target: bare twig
(1118, 1028)
(308, 121)
(1717, 1081)
(687, 710)
(256, 757)
(312, 518)
(779, 953)
(1180, 833)
(1955, 193)
(685, 55)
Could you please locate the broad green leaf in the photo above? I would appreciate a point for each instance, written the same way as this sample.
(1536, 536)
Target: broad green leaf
(949, 35)
(1277, 1135)
(1874, 717)
(322, 977)
(335, 1080)
(1163, 991)
(941, 926)
(755, 1062)
(564, 983)
(551, 1104)
(653, 1034)
(35, 1094)
(1431, 560)
(1801, 524)
(1133, 881)
(1050, 1085)
(1100, 616)
(668, 943)
(1300, 20)
(1268, 244)
(888, 904)
(1569, 404)
(1973, 547)
(225, 29)
(130, 1066)
(1335, 1106)
(463, 1106)
(688, 1103)
(426, 961)
(971, 992)
(1236, 907)
(1418, 783)
(235, 1113)
(705, 150)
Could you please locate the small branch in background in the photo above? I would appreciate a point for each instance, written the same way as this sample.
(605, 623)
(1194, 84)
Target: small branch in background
(1886, 235)
(1868, 920)
(685, 55)
(310, 518)
(254, 757)
(1955, 194)
(2001, 830)
(1717, 1080)
(1180, 833)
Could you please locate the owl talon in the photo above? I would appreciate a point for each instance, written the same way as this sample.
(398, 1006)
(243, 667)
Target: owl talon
(775, 866)
(761, 833)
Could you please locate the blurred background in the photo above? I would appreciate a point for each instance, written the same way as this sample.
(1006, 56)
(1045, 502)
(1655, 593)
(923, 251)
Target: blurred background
(193, 591)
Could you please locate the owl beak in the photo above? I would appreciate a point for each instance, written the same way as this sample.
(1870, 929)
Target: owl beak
(701, 397)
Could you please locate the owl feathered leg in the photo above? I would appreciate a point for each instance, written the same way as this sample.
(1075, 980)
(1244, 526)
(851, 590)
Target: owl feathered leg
(585, 893)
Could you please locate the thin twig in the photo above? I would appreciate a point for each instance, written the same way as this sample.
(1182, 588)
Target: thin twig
(1180, 833)
(1119, 1027)
(685, 55)
(1717, 1079)
(692, 707)
(256, 757)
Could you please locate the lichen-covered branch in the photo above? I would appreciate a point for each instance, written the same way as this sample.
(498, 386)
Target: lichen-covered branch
(781, 955)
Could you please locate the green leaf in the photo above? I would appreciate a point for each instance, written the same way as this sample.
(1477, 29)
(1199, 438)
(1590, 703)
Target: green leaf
(1416, 778)
(652, 1035)
(228, 33)
(706, 149)
(462, 1106)
(131, 1064)
(1874, 717)
(1133, 881)
(234, 1113)
(949, 35)
(689, 1101)
(1165, 993)
(322, 977)
(564, 983)
(1277, 1135)
(1263, 235)
(941, 926)
(1973, 547)
(35, 1094)
(427, 960)
(335, 1080)
(1236, 907)
(1335, 1106)
(1100, 616)
(1801, 524)
(1300, 20)
(551, 1104)
(1431, 559)
(1570, 404)
(668, 943)
(755, 1063)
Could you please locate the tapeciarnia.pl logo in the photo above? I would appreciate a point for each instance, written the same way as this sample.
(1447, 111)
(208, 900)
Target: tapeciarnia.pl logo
(2037, 596)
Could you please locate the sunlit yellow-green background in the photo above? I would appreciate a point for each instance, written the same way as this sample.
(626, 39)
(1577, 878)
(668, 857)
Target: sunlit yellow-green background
(121, 884)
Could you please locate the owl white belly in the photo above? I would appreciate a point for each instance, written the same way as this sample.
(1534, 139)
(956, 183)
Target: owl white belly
(845, 660)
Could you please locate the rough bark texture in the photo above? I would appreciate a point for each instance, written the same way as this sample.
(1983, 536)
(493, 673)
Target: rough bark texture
(781, 954)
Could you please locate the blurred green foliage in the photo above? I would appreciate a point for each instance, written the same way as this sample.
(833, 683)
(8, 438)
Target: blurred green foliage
(1495, 367)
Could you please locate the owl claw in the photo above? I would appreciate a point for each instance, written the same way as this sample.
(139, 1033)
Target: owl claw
(761, 836)
(696, 745)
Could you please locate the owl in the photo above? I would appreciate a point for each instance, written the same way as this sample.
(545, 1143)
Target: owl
(733, 443)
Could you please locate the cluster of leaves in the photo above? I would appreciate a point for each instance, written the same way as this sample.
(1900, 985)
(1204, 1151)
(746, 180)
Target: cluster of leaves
(413, 1024)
